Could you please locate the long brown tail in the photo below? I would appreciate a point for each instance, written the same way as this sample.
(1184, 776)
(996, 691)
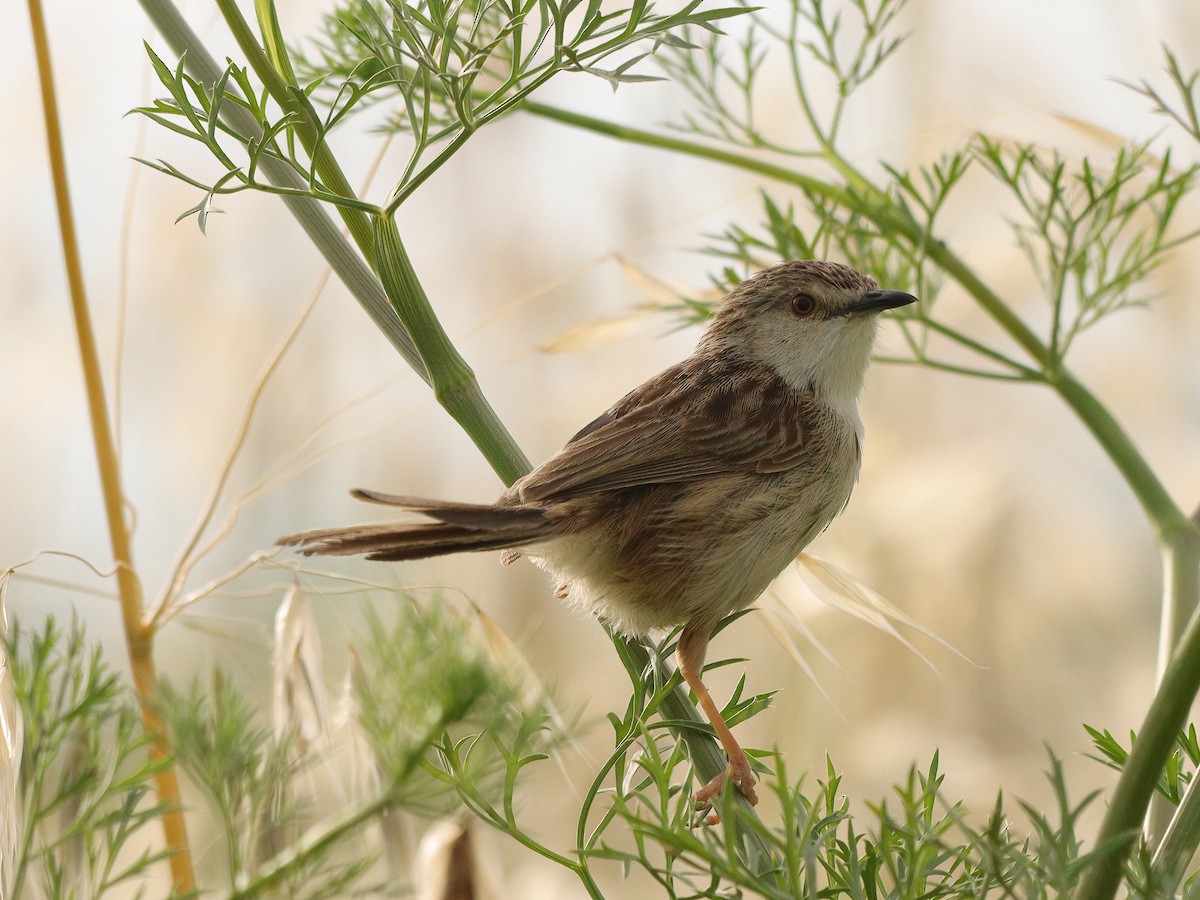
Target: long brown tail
(458, 527)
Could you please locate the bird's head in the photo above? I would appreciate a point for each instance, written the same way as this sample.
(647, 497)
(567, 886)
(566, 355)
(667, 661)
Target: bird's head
(811, 322)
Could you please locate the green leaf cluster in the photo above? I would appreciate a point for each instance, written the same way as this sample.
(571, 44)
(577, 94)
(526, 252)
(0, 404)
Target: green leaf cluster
(445, 68)
(86, 776)
(432, 697)
(245, 772)
(1092, 232)
(914, 843)
(441, 720)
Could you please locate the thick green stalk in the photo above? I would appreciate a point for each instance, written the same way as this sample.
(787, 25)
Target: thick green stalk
(1155, 741)
(454, 384)
(1181, 835)
(1178, 845)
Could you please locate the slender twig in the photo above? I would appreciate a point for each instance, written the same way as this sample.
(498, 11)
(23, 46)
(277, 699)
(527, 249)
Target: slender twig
(138, 636)
(205, 590)
(189, 556)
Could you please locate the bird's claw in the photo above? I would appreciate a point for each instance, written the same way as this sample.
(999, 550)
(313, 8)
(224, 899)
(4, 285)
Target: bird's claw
(739, 772)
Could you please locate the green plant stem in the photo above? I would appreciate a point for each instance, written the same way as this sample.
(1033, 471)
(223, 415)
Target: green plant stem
(138, 637)
(703, 749)
(310, 847)
(1178, 846)
(681, 145)
(454, 384)
(1167, 714)
(506, 823)
(1178, 536)
(1168, 520)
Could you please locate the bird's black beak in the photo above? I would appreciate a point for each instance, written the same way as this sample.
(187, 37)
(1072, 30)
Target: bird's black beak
(877, 301)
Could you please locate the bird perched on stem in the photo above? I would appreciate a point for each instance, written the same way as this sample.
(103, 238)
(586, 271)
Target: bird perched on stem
(682, 502)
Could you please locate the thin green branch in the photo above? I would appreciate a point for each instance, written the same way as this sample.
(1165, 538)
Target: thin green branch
(480, 806)
(1019, 371)
(411, 182)
(951, 368)
(275, 72)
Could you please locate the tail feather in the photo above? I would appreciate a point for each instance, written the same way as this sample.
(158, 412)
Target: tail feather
(459, 527)
(468, 515)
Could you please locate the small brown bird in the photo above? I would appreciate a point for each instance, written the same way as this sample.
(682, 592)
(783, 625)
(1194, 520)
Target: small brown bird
(683, 502)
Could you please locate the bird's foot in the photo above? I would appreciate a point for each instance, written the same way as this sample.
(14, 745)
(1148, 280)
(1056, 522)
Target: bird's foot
(739, 772)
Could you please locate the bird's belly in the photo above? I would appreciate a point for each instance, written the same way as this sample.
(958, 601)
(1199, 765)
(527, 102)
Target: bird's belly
(690, 553)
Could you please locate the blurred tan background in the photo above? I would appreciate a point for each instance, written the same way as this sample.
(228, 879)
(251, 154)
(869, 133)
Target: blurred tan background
(984, 511)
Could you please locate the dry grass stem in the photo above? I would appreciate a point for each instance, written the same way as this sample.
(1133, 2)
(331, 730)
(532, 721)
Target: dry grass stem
(12, 736)
(298, 682)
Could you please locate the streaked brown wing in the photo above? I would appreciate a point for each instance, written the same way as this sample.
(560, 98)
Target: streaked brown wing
(688, 422)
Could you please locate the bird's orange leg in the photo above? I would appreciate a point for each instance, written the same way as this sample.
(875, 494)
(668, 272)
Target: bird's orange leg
(693, 644)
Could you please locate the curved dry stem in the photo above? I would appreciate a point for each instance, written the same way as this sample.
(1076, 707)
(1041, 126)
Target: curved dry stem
(205, 590)
(189, 555)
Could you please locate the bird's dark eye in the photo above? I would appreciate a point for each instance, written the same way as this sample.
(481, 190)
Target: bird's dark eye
(804, 305)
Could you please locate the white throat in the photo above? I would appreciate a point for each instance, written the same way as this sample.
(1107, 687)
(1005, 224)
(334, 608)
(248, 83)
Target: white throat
(834, 370)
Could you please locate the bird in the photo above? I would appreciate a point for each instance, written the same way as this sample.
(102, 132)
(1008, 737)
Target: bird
(683, 501)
